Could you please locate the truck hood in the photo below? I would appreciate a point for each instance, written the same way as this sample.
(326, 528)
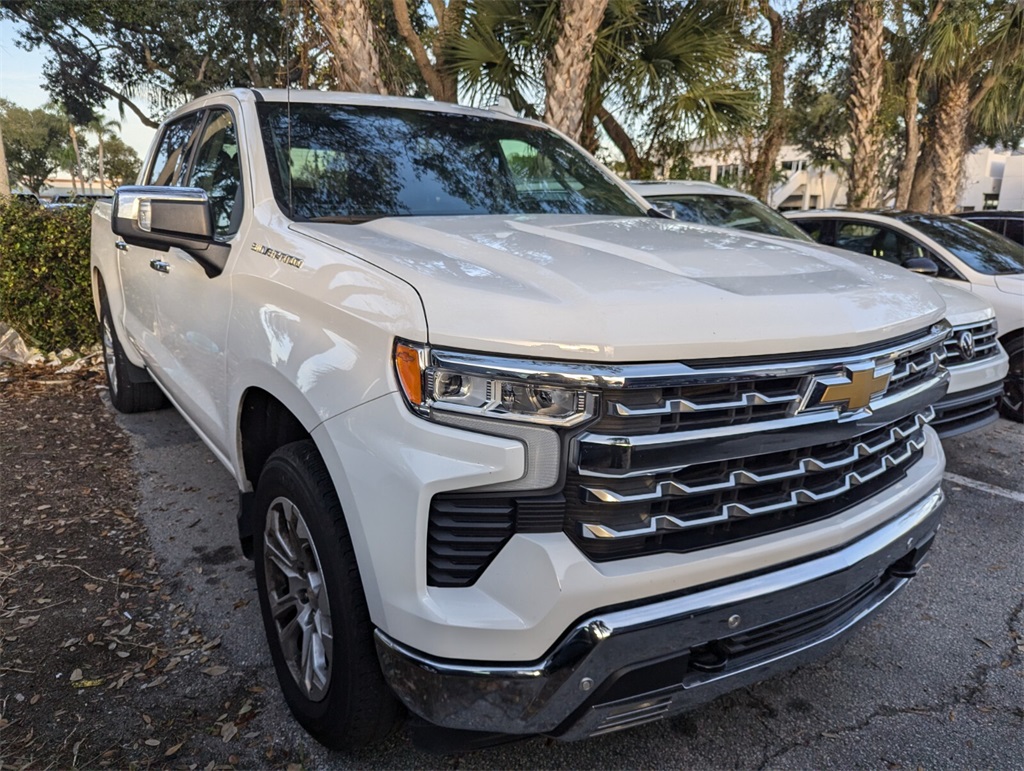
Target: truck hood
(633, 289)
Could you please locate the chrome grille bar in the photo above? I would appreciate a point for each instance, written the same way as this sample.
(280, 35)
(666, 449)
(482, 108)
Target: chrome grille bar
(672, 488)
(792, 498)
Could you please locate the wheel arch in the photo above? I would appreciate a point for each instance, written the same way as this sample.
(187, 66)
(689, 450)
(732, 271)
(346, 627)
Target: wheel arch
(265, 423)
(1008, 338)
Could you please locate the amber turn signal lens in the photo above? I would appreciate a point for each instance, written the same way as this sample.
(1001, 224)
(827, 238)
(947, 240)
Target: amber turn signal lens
(407, 364)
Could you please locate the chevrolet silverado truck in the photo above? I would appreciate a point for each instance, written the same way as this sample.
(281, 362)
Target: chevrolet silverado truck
(515, 453)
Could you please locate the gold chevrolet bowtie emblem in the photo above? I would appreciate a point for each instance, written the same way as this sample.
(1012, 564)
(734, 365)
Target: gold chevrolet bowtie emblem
(864, 384)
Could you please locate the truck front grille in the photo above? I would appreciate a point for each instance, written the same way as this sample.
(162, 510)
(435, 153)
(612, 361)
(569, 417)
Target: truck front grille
(708, 504)
(686, 457)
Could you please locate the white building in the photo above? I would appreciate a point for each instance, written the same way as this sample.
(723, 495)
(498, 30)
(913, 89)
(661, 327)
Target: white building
(993, 179)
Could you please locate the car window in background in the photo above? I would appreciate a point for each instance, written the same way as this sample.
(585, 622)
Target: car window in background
(878, 241)
(352, 163)
(169, 163)
(730, 211)
(1014, 229)
(217, 170)
(983, 250)
(814, 228)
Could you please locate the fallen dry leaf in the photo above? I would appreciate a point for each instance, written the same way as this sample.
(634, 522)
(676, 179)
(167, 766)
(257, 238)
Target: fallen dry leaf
(215, 671)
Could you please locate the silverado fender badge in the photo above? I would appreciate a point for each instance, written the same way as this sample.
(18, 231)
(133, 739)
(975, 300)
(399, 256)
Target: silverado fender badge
(287, 259)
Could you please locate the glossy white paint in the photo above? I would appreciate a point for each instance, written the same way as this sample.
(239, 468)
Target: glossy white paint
(633, 289)
(318, 337)
(388, 464)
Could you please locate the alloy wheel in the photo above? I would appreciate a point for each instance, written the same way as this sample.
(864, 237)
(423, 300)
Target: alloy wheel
(297, 594)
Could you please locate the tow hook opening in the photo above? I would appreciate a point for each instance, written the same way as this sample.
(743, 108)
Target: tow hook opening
(910, 563)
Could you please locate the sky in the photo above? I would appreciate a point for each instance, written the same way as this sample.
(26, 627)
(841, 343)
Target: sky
(21, 82)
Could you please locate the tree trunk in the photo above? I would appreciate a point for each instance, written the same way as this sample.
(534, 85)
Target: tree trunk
(567, 68)
(866, 79)
(763, 168)
(912, 135)
(921, 188)
(912, 128)
(348, 28)
(635, 165)
(951, 116)
(5, 180)
(442, 82)
(78, 158)
(99, 140)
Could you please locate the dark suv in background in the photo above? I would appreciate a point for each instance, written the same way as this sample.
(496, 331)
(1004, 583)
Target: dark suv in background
(1005, 223)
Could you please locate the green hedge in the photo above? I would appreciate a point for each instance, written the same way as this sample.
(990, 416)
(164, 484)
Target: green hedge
(44, 275)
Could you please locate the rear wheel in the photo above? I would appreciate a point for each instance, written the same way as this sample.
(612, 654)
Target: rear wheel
(131, 389)
(1012, 405)
(314, 609)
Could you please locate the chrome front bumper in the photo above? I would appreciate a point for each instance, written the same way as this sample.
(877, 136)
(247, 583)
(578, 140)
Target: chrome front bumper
(631, 665)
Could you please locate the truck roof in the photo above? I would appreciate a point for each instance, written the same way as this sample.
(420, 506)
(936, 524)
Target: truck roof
(312, 96)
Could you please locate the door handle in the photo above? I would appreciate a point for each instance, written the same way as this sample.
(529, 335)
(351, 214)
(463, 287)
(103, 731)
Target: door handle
(120, 245)
(160, 265)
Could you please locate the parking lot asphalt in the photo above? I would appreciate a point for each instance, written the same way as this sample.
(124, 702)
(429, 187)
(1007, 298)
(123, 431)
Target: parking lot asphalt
(935, 680)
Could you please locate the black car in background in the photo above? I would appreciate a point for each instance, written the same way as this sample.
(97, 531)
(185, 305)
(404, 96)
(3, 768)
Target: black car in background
(1005, 223)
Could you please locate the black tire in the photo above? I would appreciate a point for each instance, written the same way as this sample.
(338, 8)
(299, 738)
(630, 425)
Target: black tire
(131, 389)
(338, 695)
(1012, 404)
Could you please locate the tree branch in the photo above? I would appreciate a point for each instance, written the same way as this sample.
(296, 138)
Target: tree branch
(419, 53)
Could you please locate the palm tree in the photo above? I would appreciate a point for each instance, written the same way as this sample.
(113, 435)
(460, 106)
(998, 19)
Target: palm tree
(669, 65)
(973, 74)
(100, 128)
(867, 62)
(567, 67)
(349, 30)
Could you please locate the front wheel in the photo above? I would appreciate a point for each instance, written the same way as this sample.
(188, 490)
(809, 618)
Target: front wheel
(131, 389)
(1012, 405)
(314, 609)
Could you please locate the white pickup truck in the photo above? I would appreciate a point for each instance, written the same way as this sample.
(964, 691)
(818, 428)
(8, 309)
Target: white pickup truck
(513, 451)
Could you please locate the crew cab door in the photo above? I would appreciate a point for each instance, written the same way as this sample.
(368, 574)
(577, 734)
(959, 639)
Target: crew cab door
(141, 280)
(193, 303)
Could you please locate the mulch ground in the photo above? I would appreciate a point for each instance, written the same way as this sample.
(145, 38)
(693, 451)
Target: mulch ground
(90, 633)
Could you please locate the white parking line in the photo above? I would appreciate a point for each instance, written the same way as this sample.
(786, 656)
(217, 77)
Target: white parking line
(1013, 495)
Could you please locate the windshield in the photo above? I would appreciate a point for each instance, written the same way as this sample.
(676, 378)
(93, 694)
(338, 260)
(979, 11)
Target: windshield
(983, 250)
(348, 163)
(731, 211)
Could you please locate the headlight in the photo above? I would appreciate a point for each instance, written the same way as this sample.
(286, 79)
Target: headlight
(492, 387)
